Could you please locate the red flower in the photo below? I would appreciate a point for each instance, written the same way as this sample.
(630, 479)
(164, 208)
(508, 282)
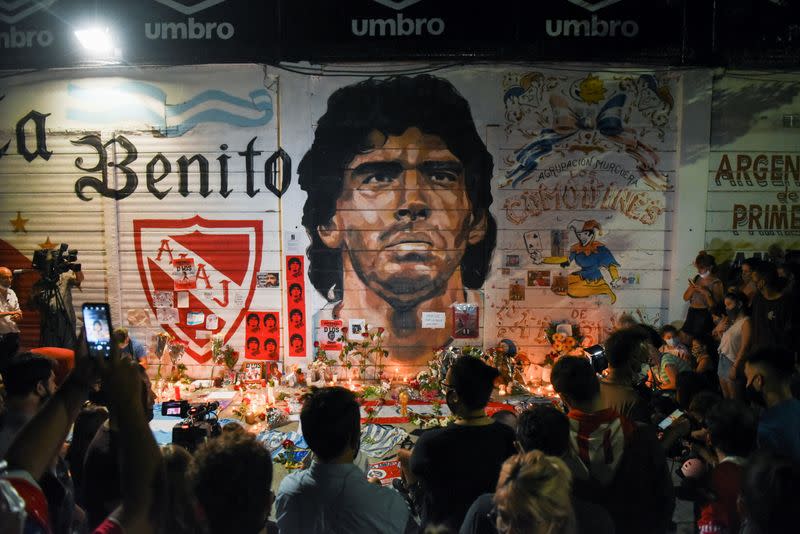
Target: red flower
(288, 444)
(246, 400)
(345, 330)
(381, 330)
(316, 343)
(262, 416)
(365, 334)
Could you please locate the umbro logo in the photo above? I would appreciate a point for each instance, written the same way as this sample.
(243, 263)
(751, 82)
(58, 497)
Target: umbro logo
(189, 7)
(594, 5)
(13, 11)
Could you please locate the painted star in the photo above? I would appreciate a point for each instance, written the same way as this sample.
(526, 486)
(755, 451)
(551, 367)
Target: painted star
(19, 223)
(47, 245)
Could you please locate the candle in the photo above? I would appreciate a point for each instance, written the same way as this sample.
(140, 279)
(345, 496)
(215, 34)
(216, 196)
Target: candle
(270, 395)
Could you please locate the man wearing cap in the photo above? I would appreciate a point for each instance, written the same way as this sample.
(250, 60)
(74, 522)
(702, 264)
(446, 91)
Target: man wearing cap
(590, 255)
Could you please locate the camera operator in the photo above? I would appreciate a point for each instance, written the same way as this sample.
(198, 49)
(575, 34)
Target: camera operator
(10, 315)
(53, 295)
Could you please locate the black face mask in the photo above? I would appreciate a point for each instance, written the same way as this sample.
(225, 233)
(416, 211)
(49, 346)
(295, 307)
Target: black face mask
(450, 403)
(753, 396)
(733, 314)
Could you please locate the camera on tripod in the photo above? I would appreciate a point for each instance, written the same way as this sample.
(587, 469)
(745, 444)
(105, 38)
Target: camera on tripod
(199, 425)
(51, 263)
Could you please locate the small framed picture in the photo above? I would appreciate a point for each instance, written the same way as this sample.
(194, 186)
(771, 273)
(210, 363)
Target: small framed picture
(253, 371)
(512, 260)
(465, 321)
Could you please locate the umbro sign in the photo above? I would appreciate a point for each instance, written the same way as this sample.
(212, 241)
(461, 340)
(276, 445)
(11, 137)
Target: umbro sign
(189, 29)
(398, 26)
(14, 11)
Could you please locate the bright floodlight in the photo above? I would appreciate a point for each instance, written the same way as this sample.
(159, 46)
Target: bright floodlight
(96, 41)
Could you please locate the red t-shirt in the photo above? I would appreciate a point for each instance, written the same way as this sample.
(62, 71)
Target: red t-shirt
(721, 515)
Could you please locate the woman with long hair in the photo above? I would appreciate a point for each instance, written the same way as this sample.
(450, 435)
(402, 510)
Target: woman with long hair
(734, 344)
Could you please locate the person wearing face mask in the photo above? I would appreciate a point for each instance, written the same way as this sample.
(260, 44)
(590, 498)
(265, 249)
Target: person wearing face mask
(769, 371)
(672, 343)
(675, 359)
(703, 293)
(772, 309)
(456, 464)
(734, 344)
(746, 284)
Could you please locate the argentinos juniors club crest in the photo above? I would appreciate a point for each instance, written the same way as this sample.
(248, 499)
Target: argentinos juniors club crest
(210, 262)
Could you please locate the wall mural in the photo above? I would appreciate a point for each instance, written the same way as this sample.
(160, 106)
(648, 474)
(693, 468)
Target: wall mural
(398, 183)
(585, 183)
(407, 215)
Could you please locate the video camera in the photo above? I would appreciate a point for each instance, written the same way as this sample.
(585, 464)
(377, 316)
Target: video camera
(597, 357)
(51, 263)
(199, 423)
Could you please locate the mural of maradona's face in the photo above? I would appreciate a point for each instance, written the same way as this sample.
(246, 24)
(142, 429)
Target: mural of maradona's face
(404, 217)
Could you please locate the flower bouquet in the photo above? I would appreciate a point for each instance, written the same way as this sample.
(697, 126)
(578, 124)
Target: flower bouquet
(364, 349)
(565, 339)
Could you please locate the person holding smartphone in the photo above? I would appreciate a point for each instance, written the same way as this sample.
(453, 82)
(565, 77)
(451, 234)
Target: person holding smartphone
(703, 294)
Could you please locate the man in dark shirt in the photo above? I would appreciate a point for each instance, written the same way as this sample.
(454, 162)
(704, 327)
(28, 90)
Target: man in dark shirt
(455, 465)
(768, 372)
(771, 309)
(101, 483)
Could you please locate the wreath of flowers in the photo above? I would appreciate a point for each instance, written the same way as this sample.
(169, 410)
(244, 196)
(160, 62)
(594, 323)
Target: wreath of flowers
(560, 343)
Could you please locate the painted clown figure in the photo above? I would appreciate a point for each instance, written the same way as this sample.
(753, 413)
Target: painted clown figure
(590, 255)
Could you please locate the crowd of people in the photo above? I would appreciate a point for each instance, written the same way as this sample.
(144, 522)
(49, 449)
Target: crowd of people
(706, 413)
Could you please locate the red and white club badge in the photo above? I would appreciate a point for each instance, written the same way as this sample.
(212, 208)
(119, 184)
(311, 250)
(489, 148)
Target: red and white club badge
(225, 256)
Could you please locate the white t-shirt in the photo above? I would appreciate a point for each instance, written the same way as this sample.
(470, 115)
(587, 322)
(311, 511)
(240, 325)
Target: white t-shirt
(8, 302)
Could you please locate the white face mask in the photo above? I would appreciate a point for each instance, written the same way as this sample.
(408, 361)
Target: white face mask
(672, 342)
(704, 274)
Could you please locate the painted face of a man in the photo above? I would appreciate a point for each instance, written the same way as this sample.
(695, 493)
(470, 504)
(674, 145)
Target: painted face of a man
(586, 237)
(404, 218)
(252, 347)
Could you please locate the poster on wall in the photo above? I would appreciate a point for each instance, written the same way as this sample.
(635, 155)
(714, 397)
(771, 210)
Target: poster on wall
(329, 335)
(262, 335)
(296, 306)
(465, 321)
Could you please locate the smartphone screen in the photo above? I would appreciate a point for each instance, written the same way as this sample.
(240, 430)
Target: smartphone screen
(97, 322)
(671, 418)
